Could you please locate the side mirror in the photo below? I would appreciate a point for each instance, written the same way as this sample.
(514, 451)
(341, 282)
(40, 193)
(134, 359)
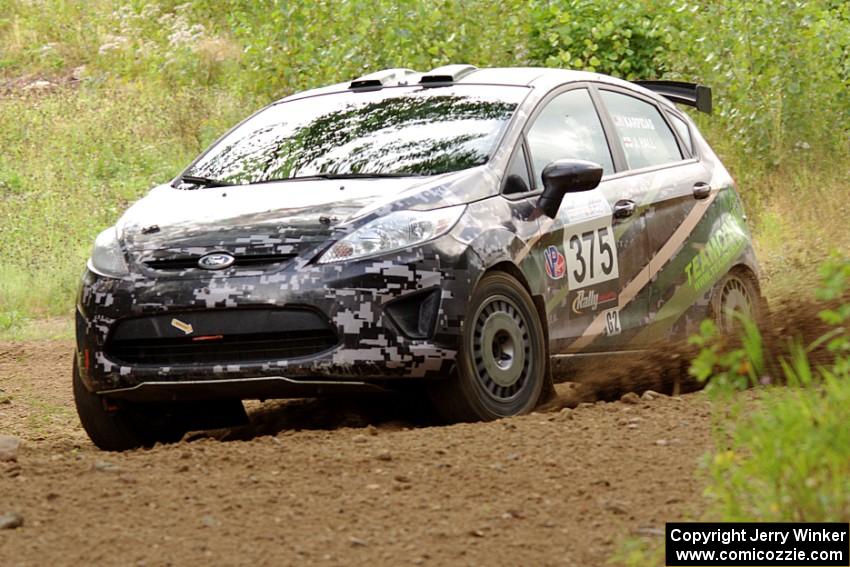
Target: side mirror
(566, 176)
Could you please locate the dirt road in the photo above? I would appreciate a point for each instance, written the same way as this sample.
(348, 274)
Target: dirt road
(349, 482)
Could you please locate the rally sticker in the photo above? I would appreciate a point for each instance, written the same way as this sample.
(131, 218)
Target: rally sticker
(612, 322)
(591, 300)
(556, 264)
(182, 326)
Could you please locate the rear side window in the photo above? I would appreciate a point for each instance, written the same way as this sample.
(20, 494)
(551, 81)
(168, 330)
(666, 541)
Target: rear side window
(568, 128)
(684, 132)
(646, 138)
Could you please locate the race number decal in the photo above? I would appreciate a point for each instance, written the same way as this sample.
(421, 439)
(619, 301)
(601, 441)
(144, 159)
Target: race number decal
(612, 322)
(591, 254)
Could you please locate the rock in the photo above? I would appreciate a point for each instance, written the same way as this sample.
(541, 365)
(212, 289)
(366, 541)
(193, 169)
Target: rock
(630, 398)
(371, 430)
(661, 442)
(9, 448)
(357, 542)
(209, 521)
(11, 521)
(360, 438)
(384, 456)
(105, 466)
(402, 478)
(652, 395)
(616, 507)
(476, 533)
(38, 86)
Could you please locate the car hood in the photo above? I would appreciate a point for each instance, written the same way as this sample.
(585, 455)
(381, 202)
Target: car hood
(281, 218)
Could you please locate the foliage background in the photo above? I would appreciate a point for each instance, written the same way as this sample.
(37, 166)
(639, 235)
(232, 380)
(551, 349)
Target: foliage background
(102, 99)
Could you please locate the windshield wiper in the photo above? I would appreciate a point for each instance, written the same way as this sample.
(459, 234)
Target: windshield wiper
(336, 176)
(204, 181)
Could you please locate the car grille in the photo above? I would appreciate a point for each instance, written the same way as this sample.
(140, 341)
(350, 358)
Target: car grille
(191, 262)
(220, 337)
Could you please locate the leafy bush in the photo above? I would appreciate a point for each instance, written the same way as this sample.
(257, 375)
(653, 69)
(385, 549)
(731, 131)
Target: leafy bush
(291, 45)
(631, 40)
(780, 70)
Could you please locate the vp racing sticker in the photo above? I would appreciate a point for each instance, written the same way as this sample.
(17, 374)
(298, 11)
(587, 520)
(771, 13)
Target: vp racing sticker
(556, 264)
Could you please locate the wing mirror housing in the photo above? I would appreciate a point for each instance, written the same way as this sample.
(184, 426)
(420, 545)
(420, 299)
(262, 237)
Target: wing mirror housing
(566, 176)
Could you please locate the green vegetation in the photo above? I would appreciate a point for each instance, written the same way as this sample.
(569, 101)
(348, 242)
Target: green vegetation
(135, 88)
(782, 453)
(789, 460)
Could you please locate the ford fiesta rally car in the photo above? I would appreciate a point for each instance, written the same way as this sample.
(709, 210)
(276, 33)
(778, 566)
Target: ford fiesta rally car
(468, 229)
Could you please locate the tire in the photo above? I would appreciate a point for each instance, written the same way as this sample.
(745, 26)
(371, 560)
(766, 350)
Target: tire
(737, 293)
(501, 365)
(114, 429)
(118, 425)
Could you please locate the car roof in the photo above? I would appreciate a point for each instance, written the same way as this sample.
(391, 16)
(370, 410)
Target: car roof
(535, 77)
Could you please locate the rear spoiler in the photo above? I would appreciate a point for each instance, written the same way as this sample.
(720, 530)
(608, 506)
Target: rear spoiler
(691, 94)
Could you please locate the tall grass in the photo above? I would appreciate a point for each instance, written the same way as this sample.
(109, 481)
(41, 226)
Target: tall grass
(73, 160)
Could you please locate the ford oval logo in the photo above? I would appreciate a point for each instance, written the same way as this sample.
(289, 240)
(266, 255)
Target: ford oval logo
(216, 261)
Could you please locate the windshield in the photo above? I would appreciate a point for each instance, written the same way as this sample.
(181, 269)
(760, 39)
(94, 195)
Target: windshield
(392, 131)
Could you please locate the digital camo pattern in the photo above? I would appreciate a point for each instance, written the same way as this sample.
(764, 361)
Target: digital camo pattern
(650, 279)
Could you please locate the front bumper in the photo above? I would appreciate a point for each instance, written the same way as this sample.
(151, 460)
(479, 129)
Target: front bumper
(356, 299)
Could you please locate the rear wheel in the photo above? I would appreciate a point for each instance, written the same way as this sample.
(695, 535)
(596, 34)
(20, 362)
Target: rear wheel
(736, 295)
(118, 425)
(501, 366)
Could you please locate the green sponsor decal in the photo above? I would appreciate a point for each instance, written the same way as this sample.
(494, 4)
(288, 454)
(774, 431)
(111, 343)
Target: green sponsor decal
(712, 261)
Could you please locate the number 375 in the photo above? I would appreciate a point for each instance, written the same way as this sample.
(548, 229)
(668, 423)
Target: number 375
(593, 257)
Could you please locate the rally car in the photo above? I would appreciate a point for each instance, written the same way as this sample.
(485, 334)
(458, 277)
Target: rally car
(467, 230)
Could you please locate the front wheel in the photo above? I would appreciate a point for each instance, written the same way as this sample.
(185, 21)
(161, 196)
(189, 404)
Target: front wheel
(111, 428)
(501, 365)
(117, 425)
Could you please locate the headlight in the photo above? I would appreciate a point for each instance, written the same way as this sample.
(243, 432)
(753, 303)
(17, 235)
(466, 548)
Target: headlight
(106, 256)
(401, 229)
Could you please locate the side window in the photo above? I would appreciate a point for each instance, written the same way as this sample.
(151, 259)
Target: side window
(516, 176)
(646, 138)
(684, 132)
(568, 128)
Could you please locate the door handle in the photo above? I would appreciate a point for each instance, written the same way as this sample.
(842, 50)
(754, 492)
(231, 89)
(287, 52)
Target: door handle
(624, 209)
(702, 190)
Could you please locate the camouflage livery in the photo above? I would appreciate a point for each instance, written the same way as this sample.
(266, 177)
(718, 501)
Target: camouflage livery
(655, 267)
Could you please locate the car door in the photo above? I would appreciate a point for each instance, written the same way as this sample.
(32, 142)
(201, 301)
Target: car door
(668, 182)
(588, 253)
